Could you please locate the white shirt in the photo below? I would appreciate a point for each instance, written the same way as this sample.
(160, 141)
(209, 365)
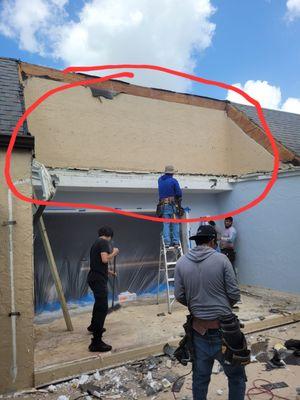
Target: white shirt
(228, 237)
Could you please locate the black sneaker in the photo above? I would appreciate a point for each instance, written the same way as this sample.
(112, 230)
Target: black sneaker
(97, 345)
(90, 329)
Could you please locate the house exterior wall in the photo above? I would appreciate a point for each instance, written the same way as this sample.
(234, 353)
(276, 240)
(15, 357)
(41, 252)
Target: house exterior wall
(74, 129)
(268, 251)
(23, 278)
(201, 203)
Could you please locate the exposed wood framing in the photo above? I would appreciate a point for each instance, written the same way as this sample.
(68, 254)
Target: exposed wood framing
(258, 134)
(122, 87)
(67, 370)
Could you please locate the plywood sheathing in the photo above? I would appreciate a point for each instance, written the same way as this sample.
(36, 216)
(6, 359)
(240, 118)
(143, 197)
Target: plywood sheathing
(258, 134)
(32, 70)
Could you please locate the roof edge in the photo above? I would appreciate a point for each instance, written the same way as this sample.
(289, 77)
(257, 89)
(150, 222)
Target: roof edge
(22, 141)
(256, 133)
(32, 70)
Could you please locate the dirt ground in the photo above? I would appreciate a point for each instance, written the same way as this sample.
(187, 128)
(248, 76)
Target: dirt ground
(121, 378)
(136, 325)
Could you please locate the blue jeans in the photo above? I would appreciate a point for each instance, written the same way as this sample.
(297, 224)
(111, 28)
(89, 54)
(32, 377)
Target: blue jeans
(207, 349)
(170, 230)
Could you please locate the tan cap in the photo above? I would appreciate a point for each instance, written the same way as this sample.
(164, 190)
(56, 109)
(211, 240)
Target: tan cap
(169, 169)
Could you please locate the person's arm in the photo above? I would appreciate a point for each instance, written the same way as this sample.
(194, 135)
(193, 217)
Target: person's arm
(106, 257)
(231, 238)
(231, 284)
(178, 191)
(179, 290)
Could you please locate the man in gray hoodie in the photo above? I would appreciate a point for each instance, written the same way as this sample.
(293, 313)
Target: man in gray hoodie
(205, 282)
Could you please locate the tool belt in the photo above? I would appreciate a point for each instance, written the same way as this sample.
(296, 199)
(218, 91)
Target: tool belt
(234, 345)
(185, 352)
(168, 200)
(179, 211)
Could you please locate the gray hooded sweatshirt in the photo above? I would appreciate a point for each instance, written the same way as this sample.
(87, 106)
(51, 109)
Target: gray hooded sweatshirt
(205, 282)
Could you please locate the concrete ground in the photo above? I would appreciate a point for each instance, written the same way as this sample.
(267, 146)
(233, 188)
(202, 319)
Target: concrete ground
(137, 325)
(120, 377)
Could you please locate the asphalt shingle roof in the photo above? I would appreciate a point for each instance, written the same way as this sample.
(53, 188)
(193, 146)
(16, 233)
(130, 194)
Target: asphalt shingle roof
(284, 126)
(11, 97)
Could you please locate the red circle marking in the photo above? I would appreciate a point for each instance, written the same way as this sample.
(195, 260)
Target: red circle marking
(87, 82)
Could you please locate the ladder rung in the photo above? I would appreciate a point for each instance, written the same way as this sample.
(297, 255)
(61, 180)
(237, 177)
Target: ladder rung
(172, 263)
(171, 296)
(171, 279)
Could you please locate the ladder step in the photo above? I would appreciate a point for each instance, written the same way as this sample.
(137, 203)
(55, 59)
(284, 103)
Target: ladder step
(172, 263)
(171, 279)
(171, 296)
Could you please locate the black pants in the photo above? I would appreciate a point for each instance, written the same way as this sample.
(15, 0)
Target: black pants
(100, 308)
(230, 253)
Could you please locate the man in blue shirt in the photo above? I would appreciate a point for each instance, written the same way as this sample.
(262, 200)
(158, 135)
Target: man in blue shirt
(170, 196)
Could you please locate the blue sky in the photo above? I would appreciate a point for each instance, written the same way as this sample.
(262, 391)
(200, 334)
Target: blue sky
(255, 44)
(254, 41)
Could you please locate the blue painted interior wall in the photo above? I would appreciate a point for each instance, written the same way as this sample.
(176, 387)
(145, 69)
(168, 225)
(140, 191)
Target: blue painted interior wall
(268, 245)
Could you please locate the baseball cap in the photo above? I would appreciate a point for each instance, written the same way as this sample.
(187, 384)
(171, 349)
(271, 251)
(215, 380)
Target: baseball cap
(205, 231)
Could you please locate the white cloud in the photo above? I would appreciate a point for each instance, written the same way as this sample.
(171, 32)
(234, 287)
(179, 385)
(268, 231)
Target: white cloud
(267, 95)
(293, 9)
(28, 21)
(292, 105)
(160, 32)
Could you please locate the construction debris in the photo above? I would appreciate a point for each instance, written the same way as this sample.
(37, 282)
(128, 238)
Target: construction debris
(169, 350)
(276, 385)
(177, 385)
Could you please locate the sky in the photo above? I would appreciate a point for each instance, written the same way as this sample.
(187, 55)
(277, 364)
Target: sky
(252, 44)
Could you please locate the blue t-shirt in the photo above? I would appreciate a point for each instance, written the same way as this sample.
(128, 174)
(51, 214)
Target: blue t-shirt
(168, 187)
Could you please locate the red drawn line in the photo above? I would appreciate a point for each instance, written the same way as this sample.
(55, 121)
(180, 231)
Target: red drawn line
(33, 106)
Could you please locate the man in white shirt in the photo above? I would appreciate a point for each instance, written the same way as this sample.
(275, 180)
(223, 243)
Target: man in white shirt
(227, 242)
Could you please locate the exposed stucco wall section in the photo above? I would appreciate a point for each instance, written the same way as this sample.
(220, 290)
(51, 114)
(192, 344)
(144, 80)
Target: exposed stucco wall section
(73, 129)
(246, 155)
(23, 278)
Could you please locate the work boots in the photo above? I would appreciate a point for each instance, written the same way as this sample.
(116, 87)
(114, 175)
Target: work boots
(97, 345)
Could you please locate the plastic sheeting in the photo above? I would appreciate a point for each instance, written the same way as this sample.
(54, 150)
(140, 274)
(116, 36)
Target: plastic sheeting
(71, 236)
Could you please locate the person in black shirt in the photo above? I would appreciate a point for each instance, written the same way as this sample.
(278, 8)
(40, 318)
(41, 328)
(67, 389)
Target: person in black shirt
(100, 254)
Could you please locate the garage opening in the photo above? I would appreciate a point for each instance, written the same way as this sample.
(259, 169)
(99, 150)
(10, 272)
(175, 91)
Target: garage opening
(71, 234)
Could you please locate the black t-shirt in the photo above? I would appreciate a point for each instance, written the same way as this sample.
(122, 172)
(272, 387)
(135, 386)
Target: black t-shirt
(98, 269)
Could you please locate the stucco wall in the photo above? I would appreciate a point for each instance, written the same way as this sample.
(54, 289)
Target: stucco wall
(73, 129)
(268, 251)
(245, 155)
(23, 278)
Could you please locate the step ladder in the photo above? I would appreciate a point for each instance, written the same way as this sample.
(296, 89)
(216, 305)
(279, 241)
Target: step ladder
(168, 257)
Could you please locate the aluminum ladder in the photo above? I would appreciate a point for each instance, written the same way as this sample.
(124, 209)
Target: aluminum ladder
(168, 256)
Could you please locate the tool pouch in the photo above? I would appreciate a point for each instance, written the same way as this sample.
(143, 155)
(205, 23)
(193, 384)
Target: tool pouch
(159, 210)
(234, 344)
(185, 352)
(178, 207)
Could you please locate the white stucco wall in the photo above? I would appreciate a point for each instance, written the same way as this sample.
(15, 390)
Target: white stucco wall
(268, 251)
